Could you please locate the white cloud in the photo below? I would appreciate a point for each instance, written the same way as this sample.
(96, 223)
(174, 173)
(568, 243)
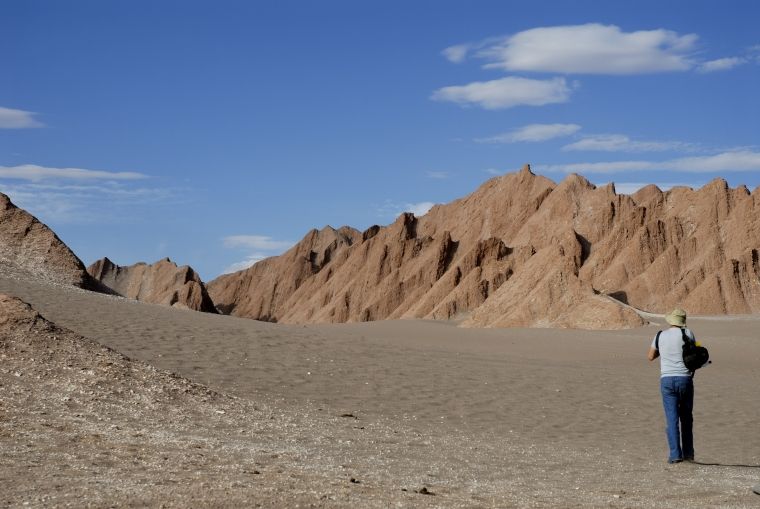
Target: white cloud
(622, 143)
(506, 93)
(37, 173)
(533, 133)
(260, 246)
(418, 209)
(494, 171)
(721, 64)
(741, 160)
(457, 53)
(441, 175)
(602, 167)
(592, 49)
(392, 209)
(248, 262)
(734, 161)
(257, 242)
(18, 119)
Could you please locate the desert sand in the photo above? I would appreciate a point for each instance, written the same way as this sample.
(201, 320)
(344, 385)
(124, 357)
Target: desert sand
(404, 413)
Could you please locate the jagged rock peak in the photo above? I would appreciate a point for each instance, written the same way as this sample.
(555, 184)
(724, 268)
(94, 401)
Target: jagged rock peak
(160, 283)
(370, 232)
(717, 183)
(576, 181)
(646, 193)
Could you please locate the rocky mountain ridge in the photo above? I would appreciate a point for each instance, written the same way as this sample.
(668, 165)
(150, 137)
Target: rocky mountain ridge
(30, 249)
(159, 283)
(521, 251)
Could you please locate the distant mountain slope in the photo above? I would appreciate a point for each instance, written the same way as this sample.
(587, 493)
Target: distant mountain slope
(29, 246)
(521, 251)
(160, 283)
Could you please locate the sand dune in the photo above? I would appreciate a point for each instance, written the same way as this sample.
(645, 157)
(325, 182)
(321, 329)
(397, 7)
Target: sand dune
(488, 417)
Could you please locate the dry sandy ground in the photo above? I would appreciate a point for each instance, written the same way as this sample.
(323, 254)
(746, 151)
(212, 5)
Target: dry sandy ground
(480, 418)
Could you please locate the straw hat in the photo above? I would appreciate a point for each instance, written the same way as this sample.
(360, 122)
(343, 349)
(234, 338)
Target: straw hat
(676, 317)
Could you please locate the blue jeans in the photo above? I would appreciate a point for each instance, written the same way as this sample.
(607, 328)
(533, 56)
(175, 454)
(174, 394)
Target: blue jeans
(678, 400)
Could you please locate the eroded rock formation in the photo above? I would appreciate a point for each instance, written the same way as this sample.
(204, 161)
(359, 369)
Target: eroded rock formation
(160, 283)
(522, 251)
(29, 246)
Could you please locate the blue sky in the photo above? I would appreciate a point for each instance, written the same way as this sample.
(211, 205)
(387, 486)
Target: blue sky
(217, 133)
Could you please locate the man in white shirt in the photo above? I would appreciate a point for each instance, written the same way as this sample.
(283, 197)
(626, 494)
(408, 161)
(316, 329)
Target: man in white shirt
(676, 385)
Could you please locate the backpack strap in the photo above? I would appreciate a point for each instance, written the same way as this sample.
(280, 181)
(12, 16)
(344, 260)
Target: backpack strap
(686, 340)
(657, 341)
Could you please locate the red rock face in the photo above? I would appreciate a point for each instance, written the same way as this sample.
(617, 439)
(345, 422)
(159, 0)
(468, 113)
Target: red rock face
(29, 246)
(161, 283)
(521, 251)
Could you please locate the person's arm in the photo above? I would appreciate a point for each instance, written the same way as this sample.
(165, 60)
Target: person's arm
(653, 351)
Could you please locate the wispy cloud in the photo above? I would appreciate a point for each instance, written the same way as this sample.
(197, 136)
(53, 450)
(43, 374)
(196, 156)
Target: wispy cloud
(260, 247)
(242, 265)
(622, 143)
(506, 93)
(721, 64)
(18, 119)
(102, 203)
(632, 187)
(456, 53)
(418, 209)
(753, 53)
(76, 195)
(743, 160)
(734, 161)
(393, 209)
(257, 242)
(38, 173)
(533, 133)
(591, 49)
(440, 175)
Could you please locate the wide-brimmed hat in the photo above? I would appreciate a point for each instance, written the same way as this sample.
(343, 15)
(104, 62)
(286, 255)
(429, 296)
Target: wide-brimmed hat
(676, 317)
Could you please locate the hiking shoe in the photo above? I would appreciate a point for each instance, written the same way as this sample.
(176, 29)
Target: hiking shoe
(679, 460)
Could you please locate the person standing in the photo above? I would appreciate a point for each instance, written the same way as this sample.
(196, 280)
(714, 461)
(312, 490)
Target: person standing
(676, 385)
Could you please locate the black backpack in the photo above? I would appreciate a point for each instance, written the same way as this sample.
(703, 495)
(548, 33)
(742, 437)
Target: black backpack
(694, 357)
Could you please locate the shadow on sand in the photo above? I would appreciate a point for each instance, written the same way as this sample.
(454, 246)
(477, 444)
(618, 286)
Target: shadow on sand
(741, 465)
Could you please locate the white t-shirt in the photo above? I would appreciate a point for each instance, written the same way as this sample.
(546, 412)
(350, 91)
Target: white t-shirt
(671, 352)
